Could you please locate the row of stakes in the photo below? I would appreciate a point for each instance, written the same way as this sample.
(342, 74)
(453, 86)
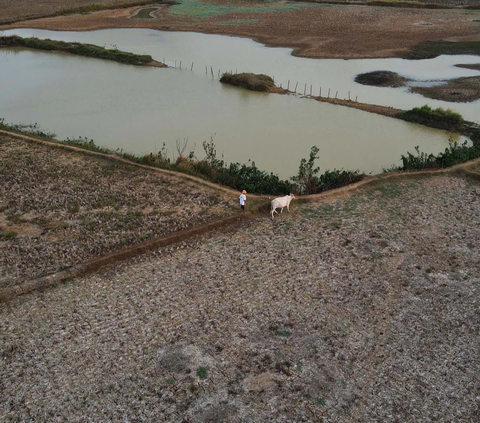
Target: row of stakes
(288, 84)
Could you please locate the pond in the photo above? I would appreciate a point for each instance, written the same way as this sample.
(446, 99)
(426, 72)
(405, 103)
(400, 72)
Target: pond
(139, 109)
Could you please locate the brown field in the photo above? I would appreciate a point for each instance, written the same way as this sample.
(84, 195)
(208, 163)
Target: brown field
(59, 208)
(358, 308)
(313, 30)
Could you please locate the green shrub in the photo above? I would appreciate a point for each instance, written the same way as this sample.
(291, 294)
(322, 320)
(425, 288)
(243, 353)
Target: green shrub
(437, 118)
(307, 181)
(454, 154)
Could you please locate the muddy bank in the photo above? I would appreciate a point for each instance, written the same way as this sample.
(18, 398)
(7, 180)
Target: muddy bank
(473, 67)
(459, 90)
(372, 108)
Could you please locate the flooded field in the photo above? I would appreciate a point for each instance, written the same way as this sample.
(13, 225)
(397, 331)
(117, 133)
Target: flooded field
(139, 109)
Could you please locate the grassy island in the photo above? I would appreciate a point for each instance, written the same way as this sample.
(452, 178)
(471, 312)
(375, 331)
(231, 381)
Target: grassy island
(80, 49)
(251, 81)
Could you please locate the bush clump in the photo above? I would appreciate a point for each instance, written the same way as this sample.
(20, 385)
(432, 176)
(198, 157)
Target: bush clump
(80, 49)
(437, 118)
(250, 81)
(307, 180)
(455, 154)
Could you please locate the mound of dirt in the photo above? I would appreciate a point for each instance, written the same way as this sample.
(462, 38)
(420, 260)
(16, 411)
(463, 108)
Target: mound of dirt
(381, 79)
(459, 90)
(474, 67)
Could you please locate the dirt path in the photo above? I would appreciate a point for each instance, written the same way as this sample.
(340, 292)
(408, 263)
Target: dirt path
(312, 30)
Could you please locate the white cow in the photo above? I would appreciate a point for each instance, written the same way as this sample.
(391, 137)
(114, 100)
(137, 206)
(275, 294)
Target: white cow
(281, 203)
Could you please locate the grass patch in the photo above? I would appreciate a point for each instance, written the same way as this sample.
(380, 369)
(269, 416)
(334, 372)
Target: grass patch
(80, 49)
(202, 373)
(283, 333)
(7, 235)
(431, 49)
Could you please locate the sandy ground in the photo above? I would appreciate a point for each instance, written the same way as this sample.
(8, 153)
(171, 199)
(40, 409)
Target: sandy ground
(59, 208)
(362, 309)
(312, 30)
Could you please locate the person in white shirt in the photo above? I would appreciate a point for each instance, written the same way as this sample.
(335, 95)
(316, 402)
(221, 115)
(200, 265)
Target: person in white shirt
(243, 200)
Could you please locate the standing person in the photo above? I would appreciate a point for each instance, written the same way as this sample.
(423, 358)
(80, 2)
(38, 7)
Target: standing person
(243, 200)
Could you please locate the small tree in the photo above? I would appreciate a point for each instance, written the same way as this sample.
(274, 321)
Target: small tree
(307, 179)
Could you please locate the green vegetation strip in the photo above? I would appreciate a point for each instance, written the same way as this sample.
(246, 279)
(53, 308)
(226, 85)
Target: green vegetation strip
(308, 180)
(87, 50)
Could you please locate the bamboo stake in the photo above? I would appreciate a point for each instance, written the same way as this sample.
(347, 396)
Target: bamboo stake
(296, 87)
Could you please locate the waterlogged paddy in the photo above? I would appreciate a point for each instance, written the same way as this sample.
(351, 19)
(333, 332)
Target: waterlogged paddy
(139, 109)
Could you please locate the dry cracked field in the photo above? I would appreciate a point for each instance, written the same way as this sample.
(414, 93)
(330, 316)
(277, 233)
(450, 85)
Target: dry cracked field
(59, 208)
(363, 308)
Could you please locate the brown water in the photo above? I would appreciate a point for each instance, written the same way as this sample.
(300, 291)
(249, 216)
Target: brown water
(138, 109)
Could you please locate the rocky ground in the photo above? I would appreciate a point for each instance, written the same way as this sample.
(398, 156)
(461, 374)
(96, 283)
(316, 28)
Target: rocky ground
(312, 30)
(363, 308)
(59, 208)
